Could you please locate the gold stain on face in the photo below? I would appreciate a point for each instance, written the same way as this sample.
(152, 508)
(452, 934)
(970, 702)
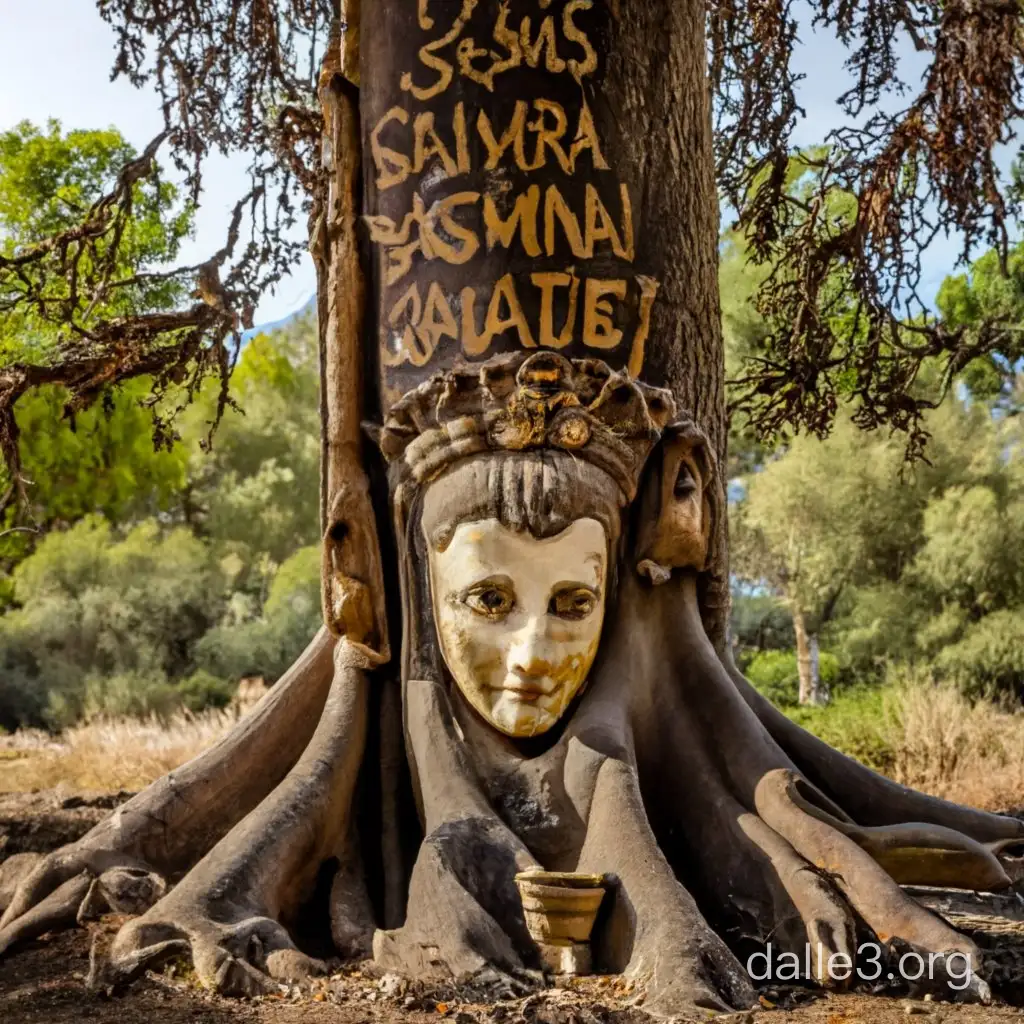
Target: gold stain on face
(519, 618)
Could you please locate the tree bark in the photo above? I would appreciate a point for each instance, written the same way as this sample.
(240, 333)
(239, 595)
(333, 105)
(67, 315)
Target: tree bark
(808, 662)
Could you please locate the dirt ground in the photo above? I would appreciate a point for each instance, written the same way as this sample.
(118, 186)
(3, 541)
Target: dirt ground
(44, 983)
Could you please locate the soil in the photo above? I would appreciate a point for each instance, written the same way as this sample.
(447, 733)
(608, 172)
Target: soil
(45, 820)
(45, 981)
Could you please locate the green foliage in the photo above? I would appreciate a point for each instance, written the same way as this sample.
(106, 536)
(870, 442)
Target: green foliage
(858, 721)
(257, 491)
(202, 690)
(48, 180)
(164, 577)
(759, 622)
(104, 462)
(132, 694)
(266, 645)
(988, 659)
(774, 674)
(98, 613)
(966, 300)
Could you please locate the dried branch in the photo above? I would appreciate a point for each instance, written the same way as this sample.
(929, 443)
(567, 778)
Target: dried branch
(843, 301)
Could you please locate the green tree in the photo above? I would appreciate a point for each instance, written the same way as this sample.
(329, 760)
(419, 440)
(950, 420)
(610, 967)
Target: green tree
(971, 303)
(101, 459)
(49, 180)
(256, 491)
(821, 517)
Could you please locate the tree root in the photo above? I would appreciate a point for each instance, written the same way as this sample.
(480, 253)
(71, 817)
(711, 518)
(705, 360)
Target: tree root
(167, 827)
(877, 898)
(229, 910)
(868, 797)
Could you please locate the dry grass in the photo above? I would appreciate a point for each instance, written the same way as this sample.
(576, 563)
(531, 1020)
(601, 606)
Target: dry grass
(972, 753)
(930, 736)
(107, 756)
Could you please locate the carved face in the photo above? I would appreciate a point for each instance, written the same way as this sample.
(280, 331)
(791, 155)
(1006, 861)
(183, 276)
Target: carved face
(519, 618)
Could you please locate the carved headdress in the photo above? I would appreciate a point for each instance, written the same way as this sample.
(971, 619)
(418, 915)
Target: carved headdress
(516, 404)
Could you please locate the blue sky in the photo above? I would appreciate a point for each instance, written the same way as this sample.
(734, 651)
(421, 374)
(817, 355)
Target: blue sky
(55, 59)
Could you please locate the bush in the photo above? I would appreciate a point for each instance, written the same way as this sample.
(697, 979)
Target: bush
(266, 646)
(124, 695)
(202, 691)
(859, 721)
(989, 659)
(101, 614)
(774, 674)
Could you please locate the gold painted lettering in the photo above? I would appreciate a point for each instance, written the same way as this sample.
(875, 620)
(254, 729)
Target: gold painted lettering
(438, 321)
(505, 292)
(474, 343)
(586, 138)
(547, 283)
(546, 36)
(392, 167)
(555, 206)
(549, 137)
(523, 217)
(513, 136)
(648, 291)
(427, 143)
(600, 226)
(410, 348)
(428, 56)
(579, 69)
(504, 36)
(441, 214)
(461, 138)
(599, 331)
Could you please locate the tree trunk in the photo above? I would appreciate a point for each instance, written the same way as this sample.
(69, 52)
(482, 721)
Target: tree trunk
(808, 662)
(539, 258)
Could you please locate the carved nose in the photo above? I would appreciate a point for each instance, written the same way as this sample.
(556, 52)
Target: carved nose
(528, 657)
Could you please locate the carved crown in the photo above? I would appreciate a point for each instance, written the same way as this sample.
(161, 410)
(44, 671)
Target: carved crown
(518, 403)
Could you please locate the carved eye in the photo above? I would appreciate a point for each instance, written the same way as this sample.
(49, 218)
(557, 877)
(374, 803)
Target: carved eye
(573, 603)
(685, 483)
(490, 601)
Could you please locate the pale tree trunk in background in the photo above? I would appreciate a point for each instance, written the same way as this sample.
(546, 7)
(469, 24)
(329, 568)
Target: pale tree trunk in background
(808, 662)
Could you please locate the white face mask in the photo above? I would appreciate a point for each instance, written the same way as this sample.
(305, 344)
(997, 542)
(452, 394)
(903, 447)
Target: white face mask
(519, 618)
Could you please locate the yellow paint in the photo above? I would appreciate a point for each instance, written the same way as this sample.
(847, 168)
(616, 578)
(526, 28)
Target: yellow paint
(505, 294)
(587, 66)
(428, 54)
(438, 321)
(514, 136)
(518, 46)
(547, 283)
(522, 218)
(392, 167)
(549, 127)
(586, 138)
(546, 40)
(461, 137)
(598, 329)
(441, 213)
(556, 208)
(549, 137)
(503, 36)
(427, 143)
(648, 292)
(601, 227)
(427, 323)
